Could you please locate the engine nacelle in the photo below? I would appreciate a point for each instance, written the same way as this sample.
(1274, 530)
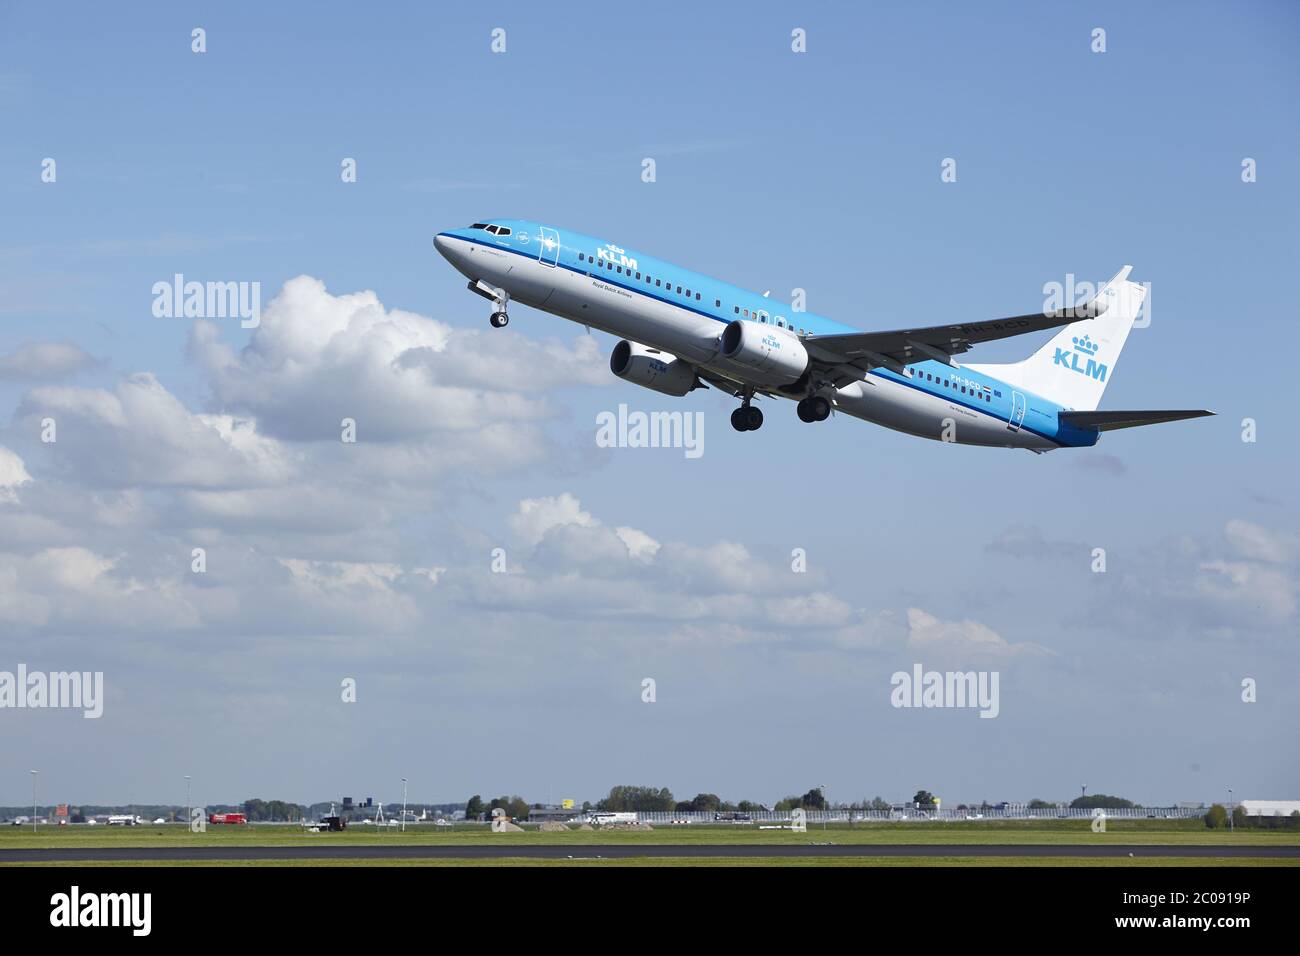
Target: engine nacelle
(766, 352)
(651, 368)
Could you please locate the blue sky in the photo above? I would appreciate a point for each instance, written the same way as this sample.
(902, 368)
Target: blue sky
(774, 171)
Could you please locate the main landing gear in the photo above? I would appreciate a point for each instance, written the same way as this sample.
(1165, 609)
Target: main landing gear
(747, 418)
(814, 409)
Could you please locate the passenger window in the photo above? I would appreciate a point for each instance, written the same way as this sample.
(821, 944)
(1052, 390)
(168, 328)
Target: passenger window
(679, 290)
(638, 275)
(658, 282)
(609, 265)
(736, 309)
(697, 297)
(717, 303)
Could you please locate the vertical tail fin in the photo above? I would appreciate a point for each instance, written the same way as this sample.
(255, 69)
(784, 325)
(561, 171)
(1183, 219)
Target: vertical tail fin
(1074, 367)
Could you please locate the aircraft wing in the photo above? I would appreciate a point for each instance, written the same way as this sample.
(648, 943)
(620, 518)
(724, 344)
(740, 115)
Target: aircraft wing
(852, 353)
(902, 347)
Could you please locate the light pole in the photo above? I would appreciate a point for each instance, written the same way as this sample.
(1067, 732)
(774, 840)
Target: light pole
(403, 804)
(34, 773)
(188, 811)
(1232, 824)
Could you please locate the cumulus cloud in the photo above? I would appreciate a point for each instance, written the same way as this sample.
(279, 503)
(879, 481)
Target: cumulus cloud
(536, 516)
(12, 474)
(318, 358)
(141, 435)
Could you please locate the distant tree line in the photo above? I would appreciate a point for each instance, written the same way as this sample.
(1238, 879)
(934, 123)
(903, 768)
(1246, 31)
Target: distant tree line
(642, 799)
(515, 807)
(1216, 818)
(1103, 801)
(266, 810)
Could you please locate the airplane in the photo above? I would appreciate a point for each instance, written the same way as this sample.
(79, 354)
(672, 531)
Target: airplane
(680, 330)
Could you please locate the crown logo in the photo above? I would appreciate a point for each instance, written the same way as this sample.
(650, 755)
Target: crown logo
(1085, 345)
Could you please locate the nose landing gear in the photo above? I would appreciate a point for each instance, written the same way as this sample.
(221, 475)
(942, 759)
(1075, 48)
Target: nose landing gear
(499, 298)
(498, 318)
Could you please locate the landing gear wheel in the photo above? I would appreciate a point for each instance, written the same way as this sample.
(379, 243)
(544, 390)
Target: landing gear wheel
(815, 409)
(499, 320)
(753, 417)
(738, 420)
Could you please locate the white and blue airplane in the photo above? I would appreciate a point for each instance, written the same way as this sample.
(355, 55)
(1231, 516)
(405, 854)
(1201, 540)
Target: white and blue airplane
(680, 329)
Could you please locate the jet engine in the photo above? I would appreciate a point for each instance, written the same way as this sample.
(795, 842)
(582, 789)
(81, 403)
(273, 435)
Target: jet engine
(768, 353)
(655, 370)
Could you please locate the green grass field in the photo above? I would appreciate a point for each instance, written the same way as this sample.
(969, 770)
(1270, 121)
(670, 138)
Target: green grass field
(966, 833)
(669, 861)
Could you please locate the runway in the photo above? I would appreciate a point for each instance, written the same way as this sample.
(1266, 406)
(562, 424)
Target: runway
(215, 854)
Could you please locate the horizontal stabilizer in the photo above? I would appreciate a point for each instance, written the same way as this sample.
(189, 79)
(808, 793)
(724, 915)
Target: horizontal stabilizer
(1108, 421)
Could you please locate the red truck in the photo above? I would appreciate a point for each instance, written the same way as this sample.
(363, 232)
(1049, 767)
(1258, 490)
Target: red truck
(227, 818)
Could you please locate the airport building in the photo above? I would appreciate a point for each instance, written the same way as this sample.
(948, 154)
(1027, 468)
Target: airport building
(1270, 808)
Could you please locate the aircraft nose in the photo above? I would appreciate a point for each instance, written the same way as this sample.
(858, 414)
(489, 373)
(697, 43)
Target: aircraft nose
(443, 244)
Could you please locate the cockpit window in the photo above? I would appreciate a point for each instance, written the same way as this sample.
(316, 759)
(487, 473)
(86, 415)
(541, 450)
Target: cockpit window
(479, 225)
(503, 230)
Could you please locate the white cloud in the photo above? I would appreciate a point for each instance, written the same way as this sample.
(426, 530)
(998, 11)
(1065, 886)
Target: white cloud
(1248, 589)
(536, 516)
(43, 360)
(317, 358)
(927, 632)
(1260, 544)
(639, 544)
(12, 474)
(141, 435)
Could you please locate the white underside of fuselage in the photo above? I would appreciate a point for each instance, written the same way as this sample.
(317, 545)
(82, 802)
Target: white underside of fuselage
(593, 302)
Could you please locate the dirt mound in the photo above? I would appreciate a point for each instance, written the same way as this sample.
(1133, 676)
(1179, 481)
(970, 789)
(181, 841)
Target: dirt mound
(586, 826)
(550, 826)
